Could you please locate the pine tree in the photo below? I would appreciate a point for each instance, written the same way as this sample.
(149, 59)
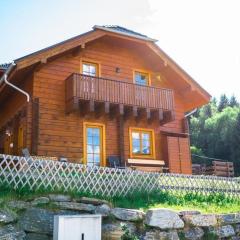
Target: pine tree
(223, 103)
(235, 143)
(233, 102)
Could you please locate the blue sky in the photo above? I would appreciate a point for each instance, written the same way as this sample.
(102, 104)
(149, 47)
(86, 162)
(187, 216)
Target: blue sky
(202, 36)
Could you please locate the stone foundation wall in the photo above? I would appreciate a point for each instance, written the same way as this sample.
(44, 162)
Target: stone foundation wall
(33, 220)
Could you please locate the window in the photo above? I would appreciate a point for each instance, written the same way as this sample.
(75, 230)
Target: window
(94, 144)
(90, 69)
(141, 143)
(141, 78)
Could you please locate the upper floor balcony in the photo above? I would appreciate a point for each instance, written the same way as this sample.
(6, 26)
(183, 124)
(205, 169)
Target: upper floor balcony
(107, 94)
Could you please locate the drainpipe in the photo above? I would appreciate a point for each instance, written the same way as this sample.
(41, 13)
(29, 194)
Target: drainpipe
(186, 118)
(4, 79)
(191, 113)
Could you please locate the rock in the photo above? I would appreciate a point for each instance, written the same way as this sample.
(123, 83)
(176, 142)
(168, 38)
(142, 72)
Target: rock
(36, 236)
(235, 238)
(194, 233)
(190, 212)
(37, 220)
(40, 200)
(127, 214)
(229, 218)
(9, 232)
(157, 235)
(75, 206)
(7, 216)
(237, 228)
(163, 219)
(18, 205)
(59, 198)
(93, 201)
(202, 220)
(114, 230)
(103, 210)
(225, 231)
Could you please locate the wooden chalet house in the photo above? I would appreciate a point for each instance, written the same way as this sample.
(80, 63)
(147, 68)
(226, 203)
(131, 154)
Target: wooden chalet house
(107, 92)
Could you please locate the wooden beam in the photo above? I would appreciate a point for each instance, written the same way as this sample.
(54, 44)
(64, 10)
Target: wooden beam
(121, 109)
(72, 105)
(99, 109)
(160, 114)
(91, 105)
(148, 111)
(135, 111)
(107, 107)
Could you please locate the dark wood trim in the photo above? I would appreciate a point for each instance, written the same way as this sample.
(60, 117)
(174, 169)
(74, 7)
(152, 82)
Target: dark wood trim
(174, 134)
(121, 139)
(35, 125)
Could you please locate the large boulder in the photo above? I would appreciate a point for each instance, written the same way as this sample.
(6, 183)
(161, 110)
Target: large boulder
(7, 216)
(163, 219)
(201, 220)
(114, 230)
(229, 218)
(40, 221)
(94, 201)
(18, 205)
(157, 235)
(82, 207)
(225, 231)
(193, 233)
(127, 214)
(237, 228)
(59, 198)
(103, 210)
(37, 220)
(40, 201)
(10, 232)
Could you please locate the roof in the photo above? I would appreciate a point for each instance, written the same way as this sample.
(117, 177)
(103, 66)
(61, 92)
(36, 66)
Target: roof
(124, 31)
(41, 56)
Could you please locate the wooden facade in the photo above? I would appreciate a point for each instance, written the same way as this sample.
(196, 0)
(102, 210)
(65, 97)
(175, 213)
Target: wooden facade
(68, 107)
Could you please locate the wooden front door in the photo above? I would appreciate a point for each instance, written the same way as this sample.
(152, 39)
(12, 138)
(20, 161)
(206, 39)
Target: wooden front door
(179, 159)
(94, 153)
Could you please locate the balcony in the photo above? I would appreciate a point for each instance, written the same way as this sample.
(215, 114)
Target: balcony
(100, 93)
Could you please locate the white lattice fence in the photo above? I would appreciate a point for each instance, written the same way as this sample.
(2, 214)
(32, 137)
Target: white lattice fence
(19, 172)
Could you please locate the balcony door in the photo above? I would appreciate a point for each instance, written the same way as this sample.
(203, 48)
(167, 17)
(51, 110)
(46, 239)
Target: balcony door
(94, 144)
(91, 70)
(141, 79)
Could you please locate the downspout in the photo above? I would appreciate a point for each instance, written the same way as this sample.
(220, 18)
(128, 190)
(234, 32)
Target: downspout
(4, 79)
(188, 129)
(191, 113)
(188, 115)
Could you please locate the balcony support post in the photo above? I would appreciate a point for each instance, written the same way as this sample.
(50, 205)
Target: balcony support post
(121, 109)
(91, 105)
(135, 111)
(107, 107)
(148, 111)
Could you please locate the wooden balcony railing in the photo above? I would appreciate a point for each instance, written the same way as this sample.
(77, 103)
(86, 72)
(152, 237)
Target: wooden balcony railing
(98, 89)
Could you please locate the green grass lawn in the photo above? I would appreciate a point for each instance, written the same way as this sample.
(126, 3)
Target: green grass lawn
(205, 204)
